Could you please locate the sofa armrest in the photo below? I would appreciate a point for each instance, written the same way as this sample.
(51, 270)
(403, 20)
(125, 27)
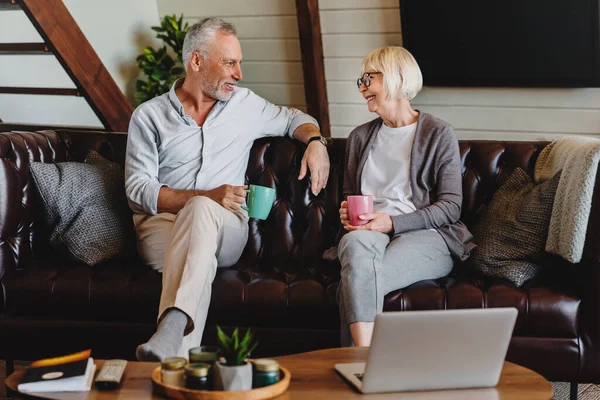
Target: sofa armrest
(11, 217)
(588, 287)
(587, 274)
(591, 251)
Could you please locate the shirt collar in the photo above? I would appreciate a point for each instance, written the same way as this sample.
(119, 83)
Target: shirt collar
(173, 97)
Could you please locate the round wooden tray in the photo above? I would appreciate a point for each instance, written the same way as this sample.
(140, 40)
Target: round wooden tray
(181, 393)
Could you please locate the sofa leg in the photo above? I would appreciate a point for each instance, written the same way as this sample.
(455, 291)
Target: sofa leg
(10, 367)
(573, 391)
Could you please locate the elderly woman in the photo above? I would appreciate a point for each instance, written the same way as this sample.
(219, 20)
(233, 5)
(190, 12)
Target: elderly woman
(409, 162)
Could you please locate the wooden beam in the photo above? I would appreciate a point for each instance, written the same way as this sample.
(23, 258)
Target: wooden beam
(68, 43)
(43, 91)
(24, 48)
(311, 46)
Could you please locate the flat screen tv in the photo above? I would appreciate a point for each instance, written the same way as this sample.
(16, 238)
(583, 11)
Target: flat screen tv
(538, 43)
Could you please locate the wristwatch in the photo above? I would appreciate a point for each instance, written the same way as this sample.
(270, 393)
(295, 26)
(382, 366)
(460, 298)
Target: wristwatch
(319, 138)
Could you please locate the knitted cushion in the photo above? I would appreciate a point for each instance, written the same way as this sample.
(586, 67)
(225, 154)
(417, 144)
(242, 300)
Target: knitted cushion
(511, 234)
(85, 207)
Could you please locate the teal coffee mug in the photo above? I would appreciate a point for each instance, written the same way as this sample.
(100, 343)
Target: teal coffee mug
(260, 200)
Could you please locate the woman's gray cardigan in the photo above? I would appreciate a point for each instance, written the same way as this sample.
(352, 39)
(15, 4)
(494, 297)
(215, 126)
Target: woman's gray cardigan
(435, 180)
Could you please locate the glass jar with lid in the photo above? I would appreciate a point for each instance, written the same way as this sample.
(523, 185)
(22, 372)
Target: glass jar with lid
(266, 372)
(172, 371)
(197, 376)
(203, 354)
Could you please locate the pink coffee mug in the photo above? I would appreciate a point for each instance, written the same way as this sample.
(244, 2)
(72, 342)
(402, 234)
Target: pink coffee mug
(359, 205)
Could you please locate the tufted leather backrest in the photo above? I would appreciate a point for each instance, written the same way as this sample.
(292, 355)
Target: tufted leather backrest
(301, 225)
(18, 203)
(486, 165)
(17, 225)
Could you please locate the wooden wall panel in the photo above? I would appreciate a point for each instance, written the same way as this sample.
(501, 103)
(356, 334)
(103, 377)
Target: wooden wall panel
(311, 45)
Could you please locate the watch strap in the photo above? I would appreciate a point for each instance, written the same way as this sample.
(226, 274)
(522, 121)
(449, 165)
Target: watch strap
(319, 138)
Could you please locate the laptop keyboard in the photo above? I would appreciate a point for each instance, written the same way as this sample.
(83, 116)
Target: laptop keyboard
(359, 376)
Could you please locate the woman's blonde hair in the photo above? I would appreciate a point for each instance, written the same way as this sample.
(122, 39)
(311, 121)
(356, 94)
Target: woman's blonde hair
(401, 74)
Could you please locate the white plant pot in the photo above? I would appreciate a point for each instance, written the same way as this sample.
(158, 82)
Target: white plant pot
(235, 378)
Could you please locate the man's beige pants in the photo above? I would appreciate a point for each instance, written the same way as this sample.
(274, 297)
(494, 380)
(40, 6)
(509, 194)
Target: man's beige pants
(188, 247)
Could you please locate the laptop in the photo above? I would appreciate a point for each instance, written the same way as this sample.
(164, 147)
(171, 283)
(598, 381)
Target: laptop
(432, 350)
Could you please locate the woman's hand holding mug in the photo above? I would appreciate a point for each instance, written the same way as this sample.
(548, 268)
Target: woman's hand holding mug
(380, 222)
(357, 214)
(344, 213)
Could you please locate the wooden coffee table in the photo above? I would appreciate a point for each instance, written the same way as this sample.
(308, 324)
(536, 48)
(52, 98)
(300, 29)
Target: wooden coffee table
(314, 377)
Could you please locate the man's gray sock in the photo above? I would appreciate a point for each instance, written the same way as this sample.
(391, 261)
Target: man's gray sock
(167, 339)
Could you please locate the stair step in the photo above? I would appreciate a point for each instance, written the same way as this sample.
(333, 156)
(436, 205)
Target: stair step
(34, 90)
(24, 48)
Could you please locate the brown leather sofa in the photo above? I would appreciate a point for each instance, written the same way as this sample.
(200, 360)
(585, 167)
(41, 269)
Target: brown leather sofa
(281, 287)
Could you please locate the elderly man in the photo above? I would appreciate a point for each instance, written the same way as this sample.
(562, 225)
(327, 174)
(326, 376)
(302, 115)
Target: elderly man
(186, 159)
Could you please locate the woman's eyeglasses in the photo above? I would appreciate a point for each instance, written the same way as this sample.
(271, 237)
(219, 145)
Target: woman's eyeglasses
(366, 79)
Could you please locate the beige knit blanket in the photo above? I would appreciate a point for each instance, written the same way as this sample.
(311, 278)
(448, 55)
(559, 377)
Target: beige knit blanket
(577, 157)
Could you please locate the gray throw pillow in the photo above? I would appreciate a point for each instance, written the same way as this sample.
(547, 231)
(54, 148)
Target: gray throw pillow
(511, 234)
(85, 207)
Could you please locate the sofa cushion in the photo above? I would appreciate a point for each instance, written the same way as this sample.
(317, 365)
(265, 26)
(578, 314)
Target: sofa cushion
(84, 207)
(511, 234)
(128, 291)
(543, 310)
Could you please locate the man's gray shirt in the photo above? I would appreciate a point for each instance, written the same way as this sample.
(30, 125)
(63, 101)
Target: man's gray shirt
(165, 147)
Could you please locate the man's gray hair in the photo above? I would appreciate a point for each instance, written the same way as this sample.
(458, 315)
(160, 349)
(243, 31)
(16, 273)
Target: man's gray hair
(201, 34)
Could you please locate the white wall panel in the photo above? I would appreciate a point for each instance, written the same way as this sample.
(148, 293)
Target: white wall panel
(47, 110)
(33, 71)
(343, 69)
(344, 92)
(352, 45)
(15, 27)
(363, 21)
(560, 98)
(356, 4)
(286, 72)
(268, 33)
(251, 27)
(290, 95)
(271, 50)
(226, 8)
(587, 98)
(519, 119)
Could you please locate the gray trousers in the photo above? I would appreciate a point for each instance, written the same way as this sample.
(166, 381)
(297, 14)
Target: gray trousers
(373, 266)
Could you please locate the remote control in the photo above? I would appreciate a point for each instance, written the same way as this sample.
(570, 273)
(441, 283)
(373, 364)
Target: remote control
(110, 375)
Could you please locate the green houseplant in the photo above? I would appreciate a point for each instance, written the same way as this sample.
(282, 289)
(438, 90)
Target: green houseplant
(159, 67)
(235, 372)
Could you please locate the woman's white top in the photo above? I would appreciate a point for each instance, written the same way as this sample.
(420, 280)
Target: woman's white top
(386, 172)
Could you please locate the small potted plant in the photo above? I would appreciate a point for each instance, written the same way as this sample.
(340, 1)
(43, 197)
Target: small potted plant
(235, 371)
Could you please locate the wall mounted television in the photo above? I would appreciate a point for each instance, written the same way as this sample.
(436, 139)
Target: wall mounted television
(526, 43)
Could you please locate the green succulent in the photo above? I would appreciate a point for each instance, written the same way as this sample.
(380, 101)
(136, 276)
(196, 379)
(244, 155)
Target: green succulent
(233, 349)
(160, 68)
